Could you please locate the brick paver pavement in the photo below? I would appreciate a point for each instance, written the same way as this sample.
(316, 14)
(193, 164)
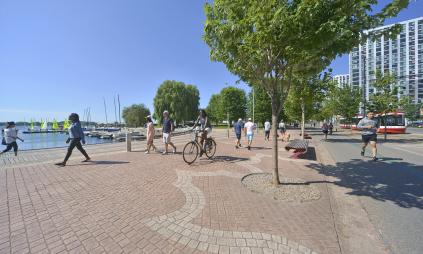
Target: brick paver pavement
(137, 203)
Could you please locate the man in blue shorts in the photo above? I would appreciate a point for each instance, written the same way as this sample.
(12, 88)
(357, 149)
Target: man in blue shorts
(238, 130)
(249, 130)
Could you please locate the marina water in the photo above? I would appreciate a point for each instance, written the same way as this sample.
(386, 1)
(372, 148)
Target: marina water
(49, 140)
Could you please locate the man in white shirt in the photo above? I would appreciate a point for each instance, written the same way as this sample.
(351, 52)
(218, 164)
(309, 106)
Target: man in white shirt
(282, 128)
(266, 130)
(249, 131)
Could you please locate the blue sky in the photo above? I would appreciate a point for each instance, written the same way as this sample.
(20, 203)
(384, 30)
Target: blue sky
(58, 57)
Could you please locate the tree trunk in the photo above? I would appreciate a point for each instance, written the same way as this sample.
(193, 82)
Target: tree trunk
(302, 119)
(385, 134)
(275, 179)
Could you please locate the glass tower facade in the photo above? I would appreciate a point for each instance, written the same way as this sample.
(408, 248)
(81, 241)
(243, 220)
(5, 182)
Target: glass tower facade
(402, 56)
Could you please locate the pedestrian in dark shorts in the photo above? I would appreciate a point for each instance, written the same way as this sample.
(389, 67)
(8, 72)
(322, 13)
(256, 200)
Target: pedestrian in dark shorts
(267, 127)
(238, 126)
(368, 126)
(325, 130)
(10, 137)
(76, 135)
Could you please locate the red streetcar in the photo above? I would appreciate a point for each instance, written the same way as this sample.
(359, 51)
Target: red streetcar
(395, 123)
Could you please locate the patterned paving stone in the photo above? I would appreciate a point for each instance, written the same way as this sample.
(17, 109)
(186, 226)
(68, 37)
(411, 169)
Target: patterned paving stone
(137, 203)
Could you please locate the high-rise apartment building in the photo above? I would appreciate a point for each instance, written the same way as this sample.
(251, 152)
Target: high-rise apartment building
(402, 56)
(342, 79)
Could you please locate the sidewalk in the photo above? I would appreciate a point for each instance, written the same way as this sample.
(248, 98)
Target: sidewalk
(138, 203)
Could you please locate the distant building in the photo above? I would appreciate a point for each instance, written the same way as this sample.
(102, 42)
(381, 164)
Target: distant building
(402, 56)
(342, 79)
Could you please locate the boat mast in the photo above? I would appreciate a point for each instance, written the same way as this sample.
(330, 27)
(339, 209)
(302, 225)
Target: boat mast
(105, 110)
(119, 111)
(114, 102)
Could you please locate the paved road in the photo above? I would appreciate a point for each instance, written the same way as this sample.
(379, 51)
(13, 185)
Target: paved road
(390, 190)
(415, 130)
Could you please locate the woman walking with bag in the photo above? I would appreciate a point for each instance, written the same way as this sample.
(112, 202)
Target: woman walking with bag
(10, 137)
(76, 135)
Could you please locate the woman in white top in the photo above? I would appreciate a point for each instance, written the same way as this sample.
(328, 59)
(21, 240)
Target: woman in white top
(10, 137)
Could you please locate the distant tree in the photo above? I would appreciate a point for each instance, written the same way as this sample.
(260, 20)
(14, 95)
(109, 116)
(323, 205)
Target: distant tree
(262, 105)
(179, 99)
(233, 103)
(411, 110)
(265, 42)
(385, 97)
(135, 115)
(344, 101)
(214, 109)
(305, 97)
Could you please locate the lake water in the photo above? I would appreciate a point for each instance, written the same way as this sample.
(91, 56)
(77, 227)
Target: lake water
(49, 140)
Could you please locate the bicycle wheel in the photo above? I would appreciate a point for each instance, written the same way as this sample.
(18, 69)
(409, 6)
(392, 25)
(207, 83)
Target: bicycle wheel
(190, 152)
(210, 148)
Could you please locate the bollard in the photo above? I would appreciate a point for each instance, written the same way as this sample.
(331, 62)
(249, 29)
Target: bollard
(128, 141)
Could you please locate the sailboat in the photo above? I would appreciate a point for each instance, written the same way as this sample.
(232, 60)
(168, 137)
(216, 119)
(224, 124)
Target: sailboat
(55, 125)
(66, 124)
(43, 124)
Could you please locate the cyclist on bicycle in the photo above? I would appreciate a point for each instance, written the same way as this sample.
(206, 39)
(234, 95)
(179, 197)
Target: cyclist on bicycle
(205, 127)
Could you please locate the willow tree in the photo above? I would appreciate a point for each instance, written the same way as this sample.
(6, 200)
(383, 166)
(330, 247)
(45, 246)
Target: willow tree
(265, 42)
(179, 99)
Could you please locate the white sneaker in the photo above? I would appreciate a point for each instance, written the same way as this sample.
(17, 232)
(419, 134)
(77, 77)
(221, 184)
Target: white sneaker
(174, 150)
(164, 153)
(147, 152)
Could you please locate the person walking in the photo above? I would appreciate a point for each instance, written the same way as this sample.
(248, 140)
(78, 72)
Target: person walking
(325, 130)
(266, 130)
(249, 131)
(282, 128)
(368, 127)
(10, 137)
(150, 135)
(238, 126)
(330, 128)
(167, 128)
(76, 136)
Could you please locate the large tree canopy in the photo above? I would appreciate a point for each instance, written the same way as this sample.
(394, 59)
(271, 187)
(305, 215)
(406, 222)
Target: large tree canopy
(135, 115)
(265, 42)
(179, 99)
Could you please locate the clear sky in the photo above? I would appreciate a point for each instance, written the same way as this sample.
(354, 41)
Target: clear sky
(58, 57)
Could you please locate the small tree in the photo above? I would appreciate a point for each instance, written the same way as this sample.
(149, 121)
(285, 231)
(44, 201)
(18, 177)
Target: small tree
(411, 110)
(385, 98)
(346, 101)
(135, 115)
(265, 42)
(214, 109)
(261, 106)
(233, 103)
(305, 97)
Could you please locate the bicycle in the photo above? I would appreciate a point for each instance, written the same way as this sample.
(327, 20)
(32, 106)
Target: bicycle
(192, 148)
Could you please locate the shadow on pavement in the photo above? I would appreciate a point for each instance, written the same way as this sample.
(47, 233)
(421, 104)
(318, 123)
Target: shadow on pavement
(385, 180)
(105, 162)
(225, 158)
